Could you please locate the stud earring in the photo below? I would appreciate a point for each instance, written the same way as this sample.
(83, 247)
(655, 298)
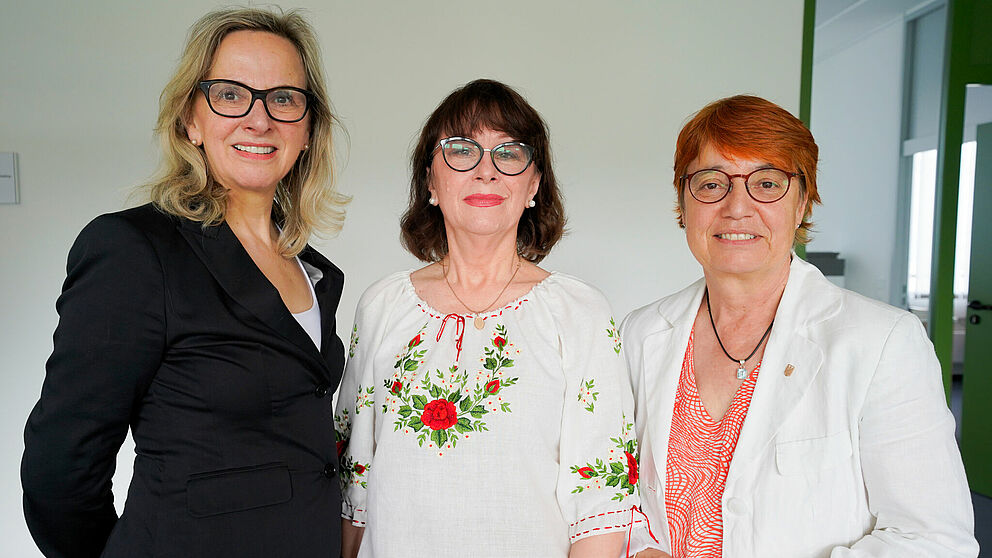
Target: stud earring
(432, 201)
(194, 142)
(305, 147)
(531, 203)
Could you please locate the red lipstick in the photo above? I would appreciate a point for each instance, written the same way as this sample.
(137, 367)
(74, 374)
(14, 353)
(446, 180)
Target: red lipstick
(484, 200)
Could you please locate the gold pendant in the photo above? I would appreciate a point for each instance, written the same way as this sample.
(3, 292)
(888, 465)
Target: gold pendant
(480, 322)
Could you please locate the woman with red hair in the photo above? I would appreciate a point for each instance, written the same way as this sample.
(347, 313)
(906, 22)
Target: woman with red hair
(780, 415)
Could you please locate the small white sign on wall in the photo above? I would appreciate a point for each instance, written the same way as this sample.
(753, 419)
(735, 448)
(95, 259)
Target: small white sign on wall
(8, 177)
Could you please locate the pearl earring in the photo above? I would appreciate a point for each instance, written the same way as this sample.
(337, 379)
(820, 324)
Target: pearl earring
(432, 201)
(193, 141)
(531, 203)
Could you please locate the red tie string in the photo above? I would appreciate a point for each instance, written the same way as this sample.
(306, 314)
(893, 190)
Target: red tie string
(630, 530)
(459, 332)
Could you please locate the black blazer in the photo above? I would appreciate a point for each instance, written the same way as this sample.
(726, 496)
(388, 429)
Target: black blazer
(170, 329)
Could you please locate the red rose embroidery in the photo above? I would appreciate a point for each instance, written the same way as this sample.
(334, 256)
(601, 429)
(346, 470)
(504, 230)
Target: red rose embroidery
(341, 444)
(499, 342)
(586, 472)
(397, 387)
(631, 468)
(492, 386)
(359, 469)
(416, 340)
(439, 414)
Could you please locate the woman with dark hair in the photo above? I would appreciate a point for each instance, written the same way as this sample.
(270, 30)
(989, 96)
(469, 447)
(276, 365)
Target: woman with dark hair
(204, 322)
(779, 414)
(485, 409)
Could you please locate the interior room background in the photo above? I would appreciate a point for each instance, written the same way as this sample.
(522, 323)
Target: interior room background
(79, 86)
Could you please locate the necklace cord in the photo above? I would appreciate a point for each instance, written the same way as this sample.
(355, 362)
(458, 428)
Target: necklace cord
(706, 294)
(444, 273)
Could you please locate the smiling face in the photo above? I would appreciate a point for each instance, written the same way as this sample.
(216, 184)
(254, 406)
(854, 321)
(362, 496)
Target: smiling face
(252, 152)
(737, 235)
(483, 200)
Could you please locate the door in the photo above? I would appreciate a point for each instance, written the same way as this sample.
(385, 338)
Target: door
(976, 413)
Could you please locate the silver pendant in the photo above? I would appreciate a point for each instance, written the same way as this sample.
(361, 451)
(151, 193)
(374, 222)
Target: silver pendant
(741, 371)
(480, 322)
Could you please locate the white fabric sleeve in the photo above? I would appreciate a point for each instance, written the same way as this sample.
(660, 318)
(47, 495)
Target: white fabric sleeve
(913, 473)
(597, 481)
(354, 417)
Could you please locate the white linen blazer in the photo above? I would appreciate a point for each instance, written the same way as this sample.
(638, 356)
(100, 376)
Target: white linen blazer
(851, 453)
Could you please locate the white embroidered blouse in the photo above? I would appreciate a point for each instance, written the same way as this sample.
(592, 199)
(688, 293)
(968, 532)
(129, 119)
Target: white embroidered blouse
(510, 441)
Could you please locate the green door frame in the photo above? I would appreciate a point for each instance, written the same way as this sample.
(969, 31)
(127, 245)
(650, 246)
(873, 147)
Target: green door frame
(806, 78)
(967, 59)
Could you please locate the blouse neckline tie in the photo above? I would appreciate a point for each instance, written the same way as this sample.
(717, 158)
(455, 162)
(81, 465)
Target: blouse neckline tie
(459, 332)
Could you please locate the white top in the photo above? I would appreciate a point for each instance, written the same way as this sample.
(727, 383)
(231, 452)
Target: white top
(516, 446)
(309, 319)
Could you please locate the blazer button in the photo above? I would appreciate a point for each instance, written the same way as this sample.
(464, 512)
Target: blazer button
(329, 470)
(320, 391)
(737, 506)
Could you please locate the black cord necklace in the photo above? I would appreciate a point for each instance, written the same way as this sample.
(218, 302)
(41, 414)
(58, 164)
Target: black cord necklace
(741, 370)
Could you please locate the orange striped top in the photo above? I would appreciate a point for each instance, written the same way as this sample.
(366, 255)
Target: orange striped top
(699, 454)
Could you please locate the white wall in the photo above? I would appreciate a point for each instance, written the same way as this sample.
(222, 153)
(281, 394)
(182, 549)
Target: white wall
(79, 84)
(856, 119)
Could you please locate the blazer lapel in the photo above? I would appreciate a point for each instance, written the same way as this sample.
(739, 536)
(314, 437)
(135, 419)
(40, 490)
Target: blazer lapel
(229, 263)
(775, 394)
(664, 351)
(779, 388)
(328, 292)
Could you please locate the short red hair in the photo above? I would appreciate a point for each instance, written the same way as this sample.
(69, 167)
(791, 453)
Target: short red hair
(749, 127)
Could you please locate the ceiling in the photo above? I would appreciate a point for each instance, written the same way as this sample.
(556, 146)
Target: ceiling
(840, 23)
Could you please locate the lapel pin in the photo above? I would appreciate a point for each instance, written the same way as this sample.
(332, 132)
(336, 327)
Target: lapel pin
(789, 369)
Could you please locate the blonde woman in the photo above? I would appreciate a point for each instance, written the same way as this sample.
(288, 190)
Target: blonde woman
(204, 323)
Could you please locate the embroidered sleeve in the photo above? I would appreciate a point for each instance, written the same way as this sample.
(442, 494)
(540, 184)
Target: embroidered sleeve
(354, 420)
(597, 481)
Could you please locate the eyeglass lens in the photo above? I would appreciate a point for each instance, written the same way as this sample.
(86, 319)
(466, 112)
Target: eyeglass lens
(764, 185)
(462, 154)
(230, 99)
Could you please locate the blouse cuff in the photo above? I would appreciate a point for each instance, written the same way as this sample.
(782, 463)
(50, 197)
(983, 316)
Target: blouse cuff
(603, 523)
(357, 516)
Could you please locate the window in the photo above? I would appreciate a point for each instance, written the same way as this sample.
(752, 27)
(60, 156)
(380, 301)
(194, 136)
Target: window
(924, 181)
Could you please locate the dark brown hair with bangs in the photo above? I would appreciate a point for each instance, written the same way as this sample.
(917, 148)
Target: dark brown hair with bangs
(478, 105)
(749, 127)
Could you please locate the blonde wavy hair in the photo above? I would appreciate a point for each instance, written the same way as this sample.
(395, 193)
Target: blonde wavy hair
(306, 200)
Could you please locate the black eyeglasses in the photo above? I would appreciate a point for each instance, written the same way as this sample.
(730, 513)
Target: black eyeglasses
(234, 100)
(463, 154)
(765, 185)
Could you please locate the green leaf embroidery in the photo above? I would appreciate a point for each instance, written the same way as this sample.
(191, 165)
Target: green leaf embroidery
(469, 401)
(615, 472)
(439, 437)
(478, 411)
(419, 402)
(463, 425)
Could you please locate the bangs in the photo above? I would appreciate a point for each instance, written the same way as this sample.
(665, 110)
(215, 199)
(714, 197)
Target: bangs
(496, 110)
(747, 135)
